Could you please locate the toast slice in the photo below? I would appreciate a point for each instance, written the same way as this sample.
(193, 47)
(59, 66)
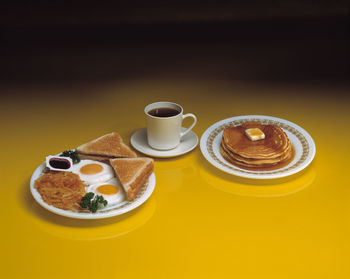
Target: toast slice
(132, 173)
(106, 147)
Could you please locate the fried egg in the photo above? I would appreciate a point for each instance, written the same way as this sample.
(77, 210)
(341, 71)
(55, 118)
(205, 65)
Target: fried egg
(110, 190)
(92, 172)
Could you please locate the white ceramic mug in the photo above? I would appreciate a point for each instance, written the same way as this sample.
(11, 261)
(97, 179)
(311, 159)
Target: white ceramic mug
(164, 128)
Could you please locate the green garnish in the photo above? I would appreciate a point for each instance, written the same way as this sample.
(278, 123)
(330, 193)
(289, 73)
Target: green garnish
(72, 154)
(91, 202)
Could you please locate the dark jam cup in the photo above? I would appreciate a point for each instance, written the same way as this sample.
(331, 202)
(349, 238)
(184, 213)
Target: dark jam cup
(59, 163)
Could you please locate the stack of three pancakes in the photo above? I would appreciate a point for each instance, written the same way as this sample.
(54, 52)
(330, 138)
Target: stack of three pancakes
(273, 151)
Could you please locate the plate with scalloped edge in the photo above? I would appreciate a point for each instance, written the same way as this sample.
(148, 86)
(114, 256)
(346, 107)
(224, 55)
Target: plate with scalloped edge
(302, 143)
(118, 209)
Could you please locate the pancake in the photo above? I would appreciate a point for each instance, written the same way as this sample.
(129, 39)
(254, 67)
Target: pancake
(273, 146)
(253, 161)
(238, 149)
(257, 165)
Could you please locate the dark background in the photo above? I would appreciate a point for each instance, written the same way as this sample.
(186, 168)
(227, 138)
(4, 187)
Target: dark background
(77, 41)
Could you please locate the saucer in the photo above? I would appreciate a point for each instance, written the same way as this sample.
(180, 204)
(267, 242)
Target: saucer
(139, 142)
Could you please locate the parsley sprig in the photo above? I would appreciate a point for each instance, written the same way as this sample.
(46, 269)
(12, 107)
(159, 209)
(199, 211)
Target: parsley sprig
(91, 202)
(72, 154)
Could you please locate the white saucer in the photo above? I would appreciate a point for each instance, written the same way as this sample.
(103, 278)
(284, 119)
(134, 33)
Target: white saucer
(139, 142)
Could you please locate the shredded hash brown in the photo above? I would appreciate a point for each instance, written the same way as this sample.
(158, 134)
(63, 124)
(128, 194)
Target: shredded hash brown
(61, 189)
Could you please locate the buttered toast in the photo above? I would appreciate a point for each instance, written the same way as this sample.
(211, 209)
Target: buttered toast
(106, 147)
(132, 173)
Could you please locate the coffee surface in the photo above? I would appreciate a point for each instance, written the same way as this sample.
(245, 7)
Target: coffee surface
(163, 112)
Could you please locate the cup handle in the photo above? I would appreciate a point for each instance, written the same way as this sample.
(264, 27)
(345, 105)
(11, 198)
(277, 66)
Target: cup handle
(190, 128)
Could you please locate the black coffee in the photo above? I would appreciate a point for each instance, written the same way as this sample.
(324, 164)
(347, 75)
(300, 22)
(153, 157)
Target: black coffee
(163, 112)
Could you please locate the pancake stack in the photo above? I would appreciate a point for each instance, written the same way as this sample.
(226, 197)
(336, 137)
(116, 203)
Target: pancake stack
(272, 151)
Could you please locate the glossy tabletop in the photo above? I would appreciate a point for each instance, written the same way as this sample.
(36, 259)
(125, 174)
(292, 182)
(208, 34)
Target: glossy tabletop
(199, 222)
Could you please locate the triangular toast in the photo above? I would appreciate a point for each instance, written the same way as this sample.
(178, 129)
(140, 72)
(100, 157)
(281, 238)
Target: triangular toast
(106, 147)
(132, 173)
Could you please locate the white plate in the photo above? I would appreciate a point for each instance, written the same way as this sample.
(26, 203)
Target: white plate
(301, 141)
(106, 212)
(139, 142)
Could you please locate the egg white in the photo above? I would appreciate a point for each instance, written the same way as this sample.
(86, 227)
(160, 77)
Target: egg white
(89, 179)
(111, 199)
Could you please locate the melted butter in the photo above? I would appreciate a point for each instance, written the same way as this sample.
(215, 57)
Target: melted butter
(254, 134)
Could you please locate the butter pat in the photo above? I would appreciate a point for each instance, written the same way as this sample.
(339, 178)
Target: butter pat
(254, 134)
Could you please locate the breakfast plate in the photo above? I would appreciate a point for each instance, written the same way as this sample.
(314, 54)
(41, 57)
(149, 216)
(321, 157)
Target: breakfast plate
(302, 143)
(139, 142)
(108, 211)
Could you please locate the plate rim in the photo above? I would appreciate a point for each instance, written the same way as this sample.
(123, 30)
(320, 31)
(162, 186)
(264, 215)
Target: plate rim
(132, 142)
(234, 170)
(124, 208)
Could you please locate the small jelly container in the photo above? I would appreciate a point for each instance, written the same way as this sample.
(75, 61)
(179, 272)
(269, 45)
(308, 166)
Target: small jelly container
(58, 163)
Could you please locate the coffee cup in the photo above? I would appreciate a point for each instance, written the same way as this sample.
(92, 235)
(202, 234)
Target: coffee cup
(164, 122)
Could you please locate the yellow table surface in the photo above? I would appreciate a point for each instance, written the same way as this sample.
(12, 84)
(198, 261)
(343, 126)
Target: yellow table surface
(199, 222)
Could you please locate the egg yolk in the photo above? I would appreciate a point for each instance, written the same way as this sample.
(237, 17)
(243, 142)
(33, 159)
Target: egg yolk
(107, 189)
(91, 169)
